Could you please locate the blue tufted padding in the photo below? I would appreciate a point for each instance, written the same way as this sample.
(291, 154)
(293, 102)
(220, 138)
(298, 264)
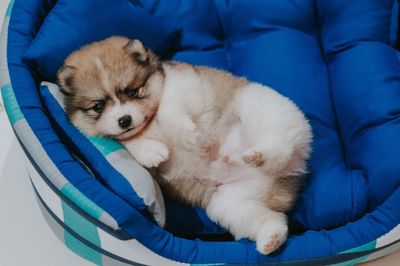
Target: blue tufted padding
(335, 60)
(365, 82)
(346, 84)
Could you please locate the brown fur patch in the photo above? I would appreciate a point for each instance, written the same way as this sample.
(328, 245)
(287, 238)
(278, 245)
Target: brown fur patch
(283, 193)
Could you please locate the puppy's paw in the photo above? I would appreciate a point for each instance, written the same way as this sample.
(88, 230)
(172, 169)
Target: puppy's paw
(270, 244)
(254, 157)
(271, 237)
(152, 154)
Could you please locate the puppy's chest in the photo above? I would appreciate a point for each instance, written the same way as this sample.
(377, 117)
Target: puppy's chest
(155, 131)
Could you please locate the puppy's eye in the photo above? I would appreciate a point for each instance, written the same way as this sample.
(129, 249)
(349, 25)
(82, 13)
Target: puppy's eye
(133, 93)
(99, 106)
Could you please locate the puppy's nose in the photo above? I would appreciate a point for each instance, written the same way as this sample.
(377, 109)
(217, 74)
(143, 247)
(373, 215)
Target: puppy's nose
(125, 121)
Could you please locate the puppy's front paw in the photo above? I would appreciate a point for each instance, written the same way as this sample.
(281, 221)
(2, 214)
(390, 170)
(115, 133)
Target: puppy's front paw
(152, 153)
(271, 237)
(254, 157)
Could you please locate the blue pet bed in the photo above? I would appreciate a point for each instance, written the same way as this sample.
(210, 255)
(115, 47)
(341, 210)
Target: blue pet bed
(335, 59)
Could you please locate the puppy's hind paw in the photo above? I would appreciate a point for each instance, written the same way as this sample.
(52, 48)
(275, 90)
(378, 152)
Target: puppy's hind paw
(253, 157)
(269, 246)
(270, 238)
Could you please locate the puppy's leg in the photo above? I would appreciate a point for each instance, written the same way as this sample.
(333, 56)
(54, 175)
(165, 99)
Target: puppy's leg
(148, 152)
(272, 233)
(249, 218)
(273, 125)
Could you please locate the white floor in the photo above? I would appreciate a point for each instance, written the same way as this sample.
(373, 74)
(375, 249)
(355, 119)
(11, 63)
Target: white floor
(25, 238)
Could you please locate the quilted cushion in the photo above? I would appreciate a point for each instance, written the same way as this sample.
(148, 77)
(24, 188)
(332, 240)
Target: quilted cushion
(335, 60)
(69, 26)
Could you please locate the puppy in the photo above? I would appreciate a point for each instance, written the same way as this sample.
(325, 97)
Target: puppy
(236, 148)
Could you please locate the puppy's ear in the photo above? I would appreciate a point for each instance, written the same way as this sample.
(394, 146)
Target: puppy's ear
(65, 78)
(137, 49)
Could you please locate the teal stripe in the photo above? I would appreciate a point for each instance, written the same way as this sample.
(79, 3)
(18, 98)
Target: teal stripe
(106, 146)
(369, 246)
(85, 229)
(82, 201)
(11, 104)
(366, 247)
(9, 9)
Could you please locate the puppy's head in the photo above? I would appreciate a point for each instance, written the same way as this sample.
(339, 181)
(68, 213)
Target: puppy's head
(112, 87)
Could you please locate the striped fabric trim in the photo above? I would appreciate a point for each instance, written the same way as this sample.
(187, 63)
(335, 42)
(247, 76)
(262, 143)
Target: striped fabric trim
(125, 246)
(80, 249)
(10, 103)
(76, 243)
(384, 252)
(28, 137)
(24, 133)
(4, 77)
(392, 236)
(369, 246)
(9, 9)
(106, 146)
(84, 228)
(71, 192)
(130, 251)
(387, 239)
(53, 200)
(68, 190)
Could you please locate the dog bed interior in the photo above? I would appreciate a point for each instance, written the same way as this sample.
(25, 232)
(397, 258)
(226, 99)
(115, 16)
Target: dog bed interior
(335, 59)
